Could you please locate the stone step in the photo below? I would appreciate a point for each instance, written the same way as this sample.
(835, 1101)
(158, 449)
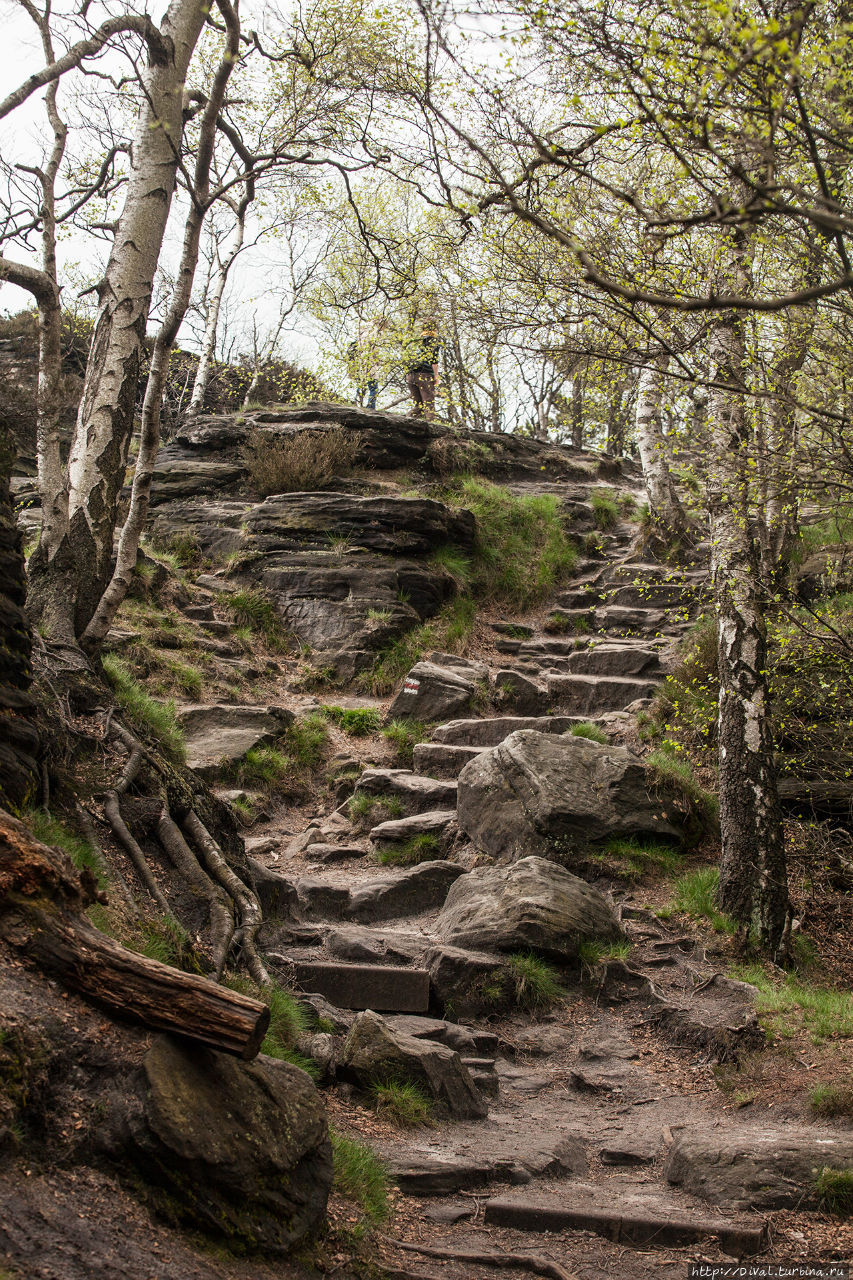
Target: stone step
(434, 1170)
(488, 733)
(364, 986)
(626, 1215)
(417, 793)
(591, 694)
(363, 944)
(469, 1041)
(393, 895)
(434, 822)
(442, 760)
(650, 595)
(600, 659)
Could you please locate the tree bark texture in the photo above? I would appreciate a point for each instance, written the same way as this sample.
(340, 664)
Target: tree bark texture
(753, 877)
(104, 426)
(214, 307)
(19, 740)
(664, 504)
(41, 915)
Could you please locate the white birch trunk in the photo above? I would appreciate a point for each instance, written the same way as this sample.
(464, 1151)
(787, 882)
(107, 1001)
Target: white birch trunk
(105, 419)
(664, 504)
(214, 307)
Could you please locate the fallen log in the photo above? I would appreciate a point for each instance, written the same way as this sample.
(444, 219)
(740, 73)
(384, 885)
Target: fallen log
(42, 902)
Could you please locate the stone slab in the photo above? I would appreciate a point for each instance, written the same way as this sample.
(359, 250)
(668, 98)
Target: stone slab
(357, 986)
(624, 1224)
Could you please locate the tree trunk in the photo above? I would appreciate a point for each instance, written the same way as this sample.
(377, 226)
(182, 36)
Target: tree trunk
(105, 419)
(134, 524)
(664, 504)
(753, 877)
(41, 915)
(577, 410)
(18, 735)
(214, 306)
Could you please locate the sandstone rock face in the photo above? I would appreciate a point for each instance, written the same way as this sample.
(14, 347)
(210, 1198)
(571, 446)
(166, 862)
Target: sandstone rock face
(549, 795)
(396, 526)
(434, 692)
(217, 732)
(531, 904)
(237, 1149)
(757, 1167)
(374, 1050)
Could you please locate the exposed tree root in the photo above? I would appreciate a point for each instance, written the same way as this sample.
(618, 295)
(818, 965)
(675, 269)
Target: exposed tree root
(185, 861)
(248, 907)
(522, 1261)
(134, 852)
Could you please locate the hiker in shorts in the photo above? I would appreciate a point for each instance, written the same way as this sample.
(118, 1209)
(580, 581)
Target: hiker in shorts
(422, 369)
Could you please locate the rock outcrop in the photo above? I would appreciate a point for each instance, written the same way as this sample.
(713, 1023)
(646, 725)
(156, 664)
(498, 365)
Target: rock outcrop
(554, 796)
(531, 904)
(238, 1150)
(374, 1051)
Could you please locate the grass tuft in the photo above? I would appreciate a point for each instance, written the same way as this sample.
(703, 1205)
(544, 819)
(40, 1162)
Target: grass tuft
(402, 1102)
(361, 1177)
(536, 985)
(605, 508)
(404, 735)
(256, 611)
(589, 730)
(824, 1013)
(634, 857)
(146, 713)
(53, 832)
(522, 550)
(832, 1100)
(695, 896)
(592, 953)
(422, 848)
(368, 811)
(834, 1188)
(358, 722)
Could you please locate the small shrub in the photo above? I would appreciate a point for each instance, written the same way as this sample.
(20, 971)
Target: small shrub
(589, 730)
(422, 848)
(834, 1189)
(157, 717)
(358, 722)
(302, 462)
(360, 1176)
(404, 735)
(402, 1102)
(832, 1100)
(605, 508)
(535, 984)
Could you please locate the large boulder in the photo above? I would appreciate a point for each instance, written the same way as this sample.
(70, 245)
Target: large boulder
(239, 1150)
(757, 1168)
(434, 691)
(532, 903)
(544, 794)
(396, 526)
(218, 733)
(468, 984)
(375, 1051)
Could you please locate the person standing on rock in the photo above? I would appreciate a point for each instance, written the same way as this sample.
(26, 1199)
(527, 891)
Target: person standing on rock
(422, 368)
